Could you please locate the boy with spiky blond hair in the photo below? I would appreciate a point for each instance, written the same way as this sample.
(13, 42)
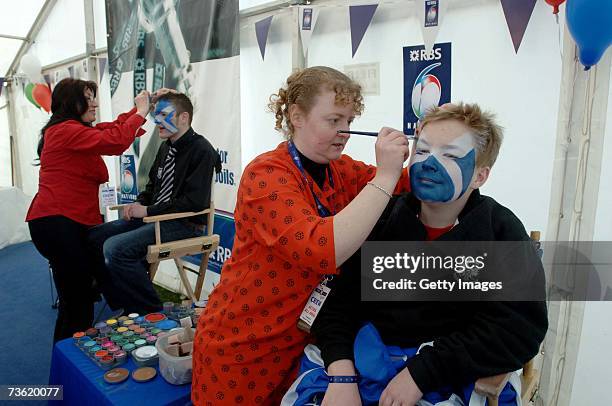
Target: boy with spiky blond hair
(452, 158)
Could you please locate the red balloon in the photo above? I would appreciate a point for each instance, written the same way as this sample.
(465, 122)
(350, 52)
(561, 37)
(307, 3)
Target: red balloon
(555, 5)
(42, 94)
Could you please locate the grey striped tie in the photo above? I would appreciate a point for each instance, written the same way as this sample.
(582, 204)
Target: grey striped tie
(167, 182)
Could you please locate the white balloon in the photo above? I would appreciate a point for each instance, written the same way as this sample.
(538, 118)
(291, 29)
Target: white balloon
(30, 65)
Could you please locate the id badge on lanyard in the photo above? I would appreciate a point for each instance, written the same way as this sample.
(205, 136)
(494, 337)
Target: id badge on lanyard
(321, 291)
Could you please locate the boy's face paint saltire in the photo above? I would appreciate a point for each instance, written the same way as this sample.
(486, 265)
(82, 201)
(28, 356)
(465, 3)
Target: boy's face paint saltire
(442, 172)
(164, 112)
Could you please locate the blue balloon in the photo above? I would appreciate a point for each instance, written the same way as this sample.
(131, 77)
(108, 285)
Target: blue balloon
(590, 23)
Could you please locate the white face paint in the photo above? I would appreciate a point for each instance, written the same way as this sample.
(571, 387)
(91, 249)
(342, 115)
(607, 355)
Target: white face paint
(442, 167)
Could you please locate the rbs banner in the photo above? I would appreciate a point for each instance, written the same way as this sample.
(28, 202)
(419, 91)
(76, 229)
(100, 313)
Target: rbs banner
(427, 81)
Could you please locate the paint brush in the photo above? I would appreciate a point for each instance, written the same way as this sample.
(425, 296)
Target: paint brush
(369, 133)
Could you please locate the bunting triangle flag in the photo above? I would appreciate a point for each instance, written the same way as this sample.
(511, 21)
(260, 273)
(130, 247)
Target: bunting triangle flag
(262, 28)
(308, 20)
(101, 67)
(517, 13)
(360, 19)
(431, 13)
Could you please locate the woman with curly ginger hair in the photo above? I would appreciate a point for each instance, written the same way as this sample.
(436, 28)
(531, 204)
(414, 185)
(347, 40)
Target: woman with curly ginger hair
(302, 210)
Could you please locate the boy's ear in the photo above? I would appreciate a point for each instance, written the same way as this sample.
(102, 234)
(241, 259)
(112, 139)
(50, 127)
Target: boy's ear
(481, 176)
(296, 116)
(184, 116)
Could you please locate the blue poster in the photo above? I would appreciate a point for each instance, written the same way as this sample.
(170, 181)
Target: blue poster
(427, 81)
(431, 13)
(127, 177)
(224, 226)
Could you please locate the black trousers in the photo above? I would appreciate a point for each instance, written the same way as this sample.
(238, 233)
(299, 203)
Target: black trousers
(64, 243)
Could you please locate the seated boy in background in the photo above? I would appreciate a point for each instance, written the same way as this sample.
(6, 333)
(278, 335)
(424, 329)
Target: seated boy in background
(452, 158)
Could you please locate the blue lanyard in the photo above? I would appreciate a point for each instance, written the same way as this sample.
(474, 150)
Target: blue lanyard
(323, 211)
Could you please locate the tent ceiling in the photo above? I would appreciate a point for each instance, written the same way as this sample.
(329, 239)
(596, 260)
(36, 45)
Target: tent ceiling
(15, 21)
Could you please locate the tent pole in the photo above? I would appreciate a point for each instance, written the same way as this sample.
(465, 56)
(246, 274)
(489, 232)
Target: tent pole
(16, 179)
(577, 165)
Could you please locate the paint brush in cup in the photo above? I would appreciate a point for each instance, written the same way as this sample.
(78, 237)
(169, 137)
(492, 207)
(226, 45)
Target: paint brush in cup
(369, 133)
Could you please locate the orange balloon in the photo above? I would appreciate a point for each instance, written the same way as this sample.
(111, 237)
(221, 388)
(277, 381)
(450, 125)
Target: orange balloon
(42, 94)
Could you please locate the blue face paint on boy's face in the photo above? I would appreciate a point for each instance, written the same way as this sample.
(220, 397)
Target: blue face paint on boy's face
(164, 113)
(442, 173)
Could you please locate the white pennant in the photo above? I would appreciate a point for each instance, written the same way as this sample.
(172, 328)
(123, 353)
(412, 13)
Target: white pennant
(307, 21)
(431, 13)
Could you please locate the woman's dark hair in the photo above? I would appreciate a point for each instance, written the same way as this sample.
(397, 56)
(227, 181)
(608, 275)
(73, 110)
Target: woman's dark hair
(68, 102)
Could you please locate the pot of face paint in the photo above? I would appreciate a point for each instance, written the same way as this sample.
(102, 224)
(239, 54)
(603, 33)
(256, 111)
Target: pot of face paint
(175, 370)
(168, 307)
(105, 330)
(120, 357)
(78, 336)
(151, 340)
(166, 325)
(155, 331)
(113, 349)
(108, 344)
(128, 347)
(133, 316)
(88, 345)
(128, 323)
(91, 332)
(100, 353)
(93, 350)
(99, 325)
(122, 319)
(107, 362)
(155, 317)
(83, 341)
(121, 342)
(122, 330)
(145, 356)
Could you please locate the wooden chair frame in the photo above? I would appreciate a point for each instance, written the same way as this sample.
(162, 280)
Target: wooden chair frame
(492, 386)
(177, 249)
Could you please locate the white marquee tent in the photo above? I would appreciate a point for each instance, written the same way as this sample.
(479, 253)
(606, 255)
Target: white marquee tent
(558, 120)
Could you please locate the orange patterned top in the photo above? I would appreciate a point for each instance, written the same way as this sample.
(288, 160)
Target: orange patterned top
(247, 344)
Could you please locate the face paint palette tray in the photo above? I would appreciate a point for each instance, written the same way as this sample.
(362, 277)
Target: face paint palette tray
(108, 344)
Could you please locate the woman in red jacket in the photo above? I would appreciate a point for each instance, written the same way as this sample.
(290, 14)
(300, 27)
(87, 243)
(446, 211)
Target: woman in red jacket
(66, 205)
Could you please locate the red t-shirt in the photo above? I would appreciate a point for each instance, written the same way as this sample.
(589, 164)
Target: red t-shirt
(434, 233)
(72, 169)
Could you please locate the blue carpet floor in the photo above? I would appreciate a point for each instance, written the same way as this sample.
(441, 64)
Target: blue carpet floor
(26, 317)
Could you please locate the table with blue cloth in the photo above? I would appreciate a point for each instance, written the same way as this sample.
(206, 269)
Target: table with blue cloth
(84, 383)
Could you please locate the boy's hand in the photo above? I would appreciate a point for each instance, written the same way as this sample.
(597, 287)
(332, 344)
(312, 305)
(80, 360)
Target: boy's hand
(134, 210)
(401, 391)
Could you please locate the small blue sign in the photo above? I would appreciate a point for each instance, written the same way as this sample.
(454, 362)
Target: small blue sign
(431, 13)
(127, 177)
(225, 227)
